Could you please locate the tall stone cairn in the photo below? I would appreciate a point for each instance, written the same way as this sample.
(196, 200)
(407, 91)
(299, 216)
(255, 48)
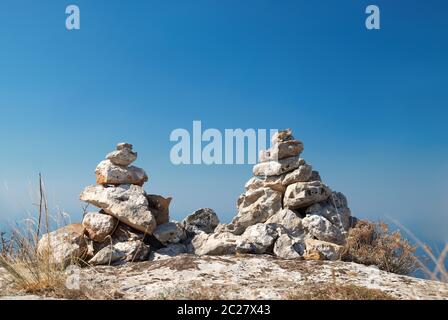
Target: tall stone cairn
(286, 210)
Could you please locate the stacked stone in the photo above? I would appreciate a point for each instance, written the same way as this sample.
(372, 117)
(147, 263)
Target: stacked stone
(286, 210)
(128, 222)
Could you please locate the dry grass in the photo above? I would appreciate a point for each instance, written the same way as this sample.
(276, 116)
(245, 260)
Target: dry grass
(371, 243)
(337, 292)
(439, 272)
(27, 270)
(194, 292)
(310, 291)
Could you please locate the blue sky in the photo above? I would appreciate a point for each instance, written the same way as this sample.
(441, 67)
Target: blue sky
(370, 106)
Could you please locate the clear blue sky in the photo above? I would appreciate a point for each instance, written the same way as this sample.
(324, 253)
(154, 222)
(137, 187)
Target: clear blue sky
(370, 106)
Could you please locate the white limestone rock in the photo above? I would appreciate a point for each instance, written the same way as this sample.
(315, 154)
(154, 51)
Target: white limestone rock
(99, 225)
(202, 220)
(303, 194)
(276, 168)
(64, 246)
(127, 203)
(109, 173)
(170, 233)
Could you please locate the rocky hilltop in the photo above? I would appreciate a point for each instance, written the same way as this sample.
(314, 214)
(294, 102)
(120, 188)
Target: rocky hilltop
(252, 277)
(289, 232)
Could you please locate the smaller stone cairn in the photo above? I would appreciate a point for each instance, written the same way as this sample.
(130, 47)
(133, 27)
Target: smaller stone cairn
(128, 225)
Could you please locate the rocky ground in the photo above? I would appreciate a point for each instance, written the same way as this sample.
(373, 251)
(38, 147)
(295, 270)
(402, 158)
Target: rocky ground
(245, 277)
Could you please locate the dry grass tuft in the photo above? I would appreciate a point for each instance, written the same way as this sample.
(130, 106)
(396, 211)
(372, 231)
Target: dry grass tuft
(27, 270)
(337, 292)
(439, 273)
(312, 291)
(194, 292)
(371, 243)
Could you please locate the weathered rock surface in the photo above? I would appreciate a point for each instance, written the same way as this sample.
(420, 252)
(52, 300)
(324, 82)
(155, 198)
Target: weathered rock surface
(276, 168)
(64, 246)
(99, 226)
(127, 203)
(203, 220)
(170, 233)
(109, 173)
(303, 194)
(248, 277)
(255, 206)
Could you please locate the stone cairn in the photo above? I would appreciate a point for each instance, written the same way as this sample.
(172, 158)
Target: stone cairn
(285, 211)
(127, 226)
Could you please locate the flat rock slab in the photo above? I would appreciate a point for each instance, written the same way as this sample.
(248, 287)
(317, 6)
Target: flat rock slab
(249, 277)
(245, 277)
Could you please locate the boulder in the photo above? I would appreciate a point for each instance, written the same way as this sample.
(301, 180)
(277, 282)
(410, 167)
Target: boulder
(214, 244)
(203, 220)
(107, 256)
(127, 203)
(289, 220)
(129, 251)
(276, 168)
(109, 173)
(303, 194)
(123, 157)
(301, 174)
(288, 247)
(133, 251)
(159, 206)
(169, 233)
(322, 249)
(334, 209)
(99, 226)
(64, 246)
(255, 206)
(322, 229)
(282, 150)
(258, 239)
